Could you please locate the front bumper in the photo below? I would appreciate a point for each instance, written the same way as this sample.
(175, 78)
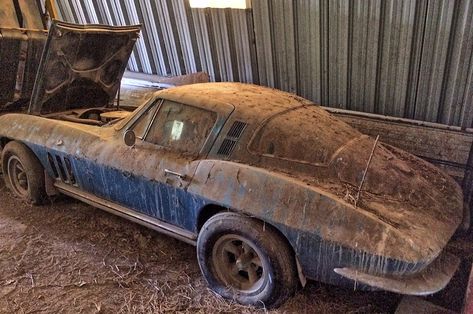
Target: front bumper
(431, 279)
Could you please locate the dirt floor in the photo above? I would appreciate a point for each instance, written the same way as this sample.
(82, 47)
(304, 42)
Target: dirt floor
(68, 257)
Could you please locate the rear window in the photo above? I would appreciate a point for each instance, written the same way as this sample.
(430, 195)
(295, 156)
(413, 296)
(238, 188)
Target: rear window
(308, 134)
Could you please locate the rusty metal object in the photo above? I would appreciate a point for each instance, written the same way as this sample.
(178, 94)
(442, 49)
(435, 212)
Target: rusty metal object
(22, 37)
(72, 76)
(266, 154)
(8, 16)
(30, 13)
(20, 52)
(20, 14)
(407, 214)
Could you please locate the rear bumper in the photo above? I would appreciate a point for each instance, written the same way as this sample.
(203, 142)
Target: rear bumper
(428, 281)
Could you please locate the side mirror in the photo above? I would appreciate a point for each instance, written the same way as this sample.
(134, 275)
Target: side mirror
(129, 138)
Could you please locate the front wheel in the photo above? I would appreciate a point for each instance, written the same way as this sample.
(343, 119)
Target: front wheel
(23, 173)
(244, 260)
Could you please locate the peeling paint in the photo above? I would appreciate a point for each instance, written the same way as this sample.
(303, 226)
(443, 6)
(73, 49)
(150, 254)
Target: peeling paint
(408, 209)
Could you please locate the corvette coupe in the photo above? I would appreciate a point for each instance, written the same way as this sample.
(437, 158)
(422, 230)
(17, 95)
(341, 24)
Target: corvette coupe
(271, 188)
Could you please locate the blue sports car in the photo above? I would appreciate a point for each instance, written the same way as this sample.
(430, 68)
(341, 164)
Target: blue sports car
(270, 188)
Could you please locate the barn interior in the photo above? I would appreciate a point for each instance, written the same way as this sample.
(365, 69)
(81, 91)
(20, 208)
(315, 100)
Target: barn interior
(400, 72)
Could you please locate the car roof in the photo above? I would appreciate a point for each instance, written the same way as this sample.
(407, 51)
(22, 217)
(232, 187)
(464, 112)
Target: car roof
(252, 102)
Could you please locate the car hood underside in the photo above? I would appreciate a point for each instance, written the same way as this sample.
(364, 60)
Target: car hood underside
(81, 66)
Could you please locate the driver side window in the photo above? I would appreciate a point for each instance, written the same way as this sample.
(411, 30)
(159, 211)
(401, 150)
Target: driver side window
(177, 126)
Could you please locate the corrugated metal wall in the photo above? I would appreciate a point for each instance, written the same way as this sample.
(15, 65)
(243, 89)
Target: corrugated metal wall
(175, 38)
(405, 58)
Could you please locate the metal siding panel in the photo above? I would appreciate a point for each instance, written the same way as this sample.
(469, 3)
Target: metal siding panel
(184, 35)
(434, 57)
(212, 47)
(405, 58)
(309, 52)
(415, 57)
(241, 51)
(76, 9)
(220, 41)
(68, 12)
(397, 27)
(139, 57)
(232, 49)
(405, 50)
(363, 55)
(172, 27)
(338, 46)
(284, 44)
(60, 10)
(252, 46)
(171, 46)
(203, 43)
(90, 9)
(456, 106)
(263, 39)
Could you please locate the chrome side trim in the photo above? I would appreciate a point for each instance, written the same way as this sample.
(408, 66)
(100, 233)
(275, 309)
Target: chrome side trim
(149, 222)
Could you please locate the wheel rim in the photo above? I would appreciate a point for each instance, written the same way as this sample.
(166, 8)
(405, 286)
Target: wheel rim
(17, 175)
(238, 263)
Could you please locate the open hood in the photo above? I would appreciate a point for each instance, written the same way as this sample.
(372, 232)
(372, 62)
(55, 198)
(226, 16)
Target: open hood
(81, 66)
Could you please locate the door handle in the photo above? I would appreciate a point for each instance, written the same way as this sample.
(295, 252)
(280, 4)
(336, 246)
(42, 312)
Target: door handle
(168, 172)
(127, 174)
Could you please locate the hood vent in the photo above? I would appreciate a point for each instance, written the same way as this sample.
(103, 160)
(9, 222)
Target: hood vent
(231, 139)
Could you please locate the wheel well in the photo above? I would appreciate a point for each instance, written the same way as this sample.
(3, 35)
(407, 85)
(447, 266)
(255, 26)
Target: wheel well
(207, 212)
(3, 142)
(210, 210)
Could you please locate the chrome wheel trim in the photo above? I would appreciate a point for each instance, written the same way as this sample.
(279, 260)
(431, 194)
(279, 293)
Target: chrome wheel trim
(239, 264)
(17, 176)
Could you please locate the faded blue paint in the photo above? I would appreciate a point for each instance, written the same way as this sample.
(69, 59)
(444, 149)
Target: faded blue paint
(155, 199)
(331, 233)
(317, 256)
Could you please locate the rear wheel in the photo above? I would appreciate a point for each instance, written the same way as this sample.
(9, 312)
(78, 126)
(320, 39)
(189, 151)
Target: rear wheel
(244, 260)
(23, 173)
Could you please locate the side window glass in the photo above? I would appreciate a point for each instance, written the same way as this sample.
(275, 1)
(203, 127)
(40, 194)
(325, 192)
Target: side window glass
(140, 126)
(181, 127)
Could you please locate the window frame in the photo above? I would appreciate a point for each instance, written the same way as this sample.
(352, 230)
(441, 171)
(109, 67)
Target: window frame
(260, 128)
(209, 140)
(158, 103)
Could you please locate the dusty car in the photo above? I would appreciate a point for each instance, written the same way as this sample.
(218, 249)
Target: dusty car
(271, 188)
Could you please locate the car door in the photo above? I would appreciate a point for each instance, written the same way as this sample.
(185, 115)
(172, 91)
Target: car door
(171, 139)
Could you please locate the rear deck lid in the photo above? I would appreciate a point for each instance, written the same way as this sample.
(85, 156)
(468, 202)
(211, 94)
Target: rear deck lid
(81, 66)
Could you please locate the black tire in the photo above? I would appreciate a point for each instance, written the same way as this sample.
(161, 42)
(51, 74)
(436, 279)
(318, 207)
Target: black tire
(266, 280)
(23, 173)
